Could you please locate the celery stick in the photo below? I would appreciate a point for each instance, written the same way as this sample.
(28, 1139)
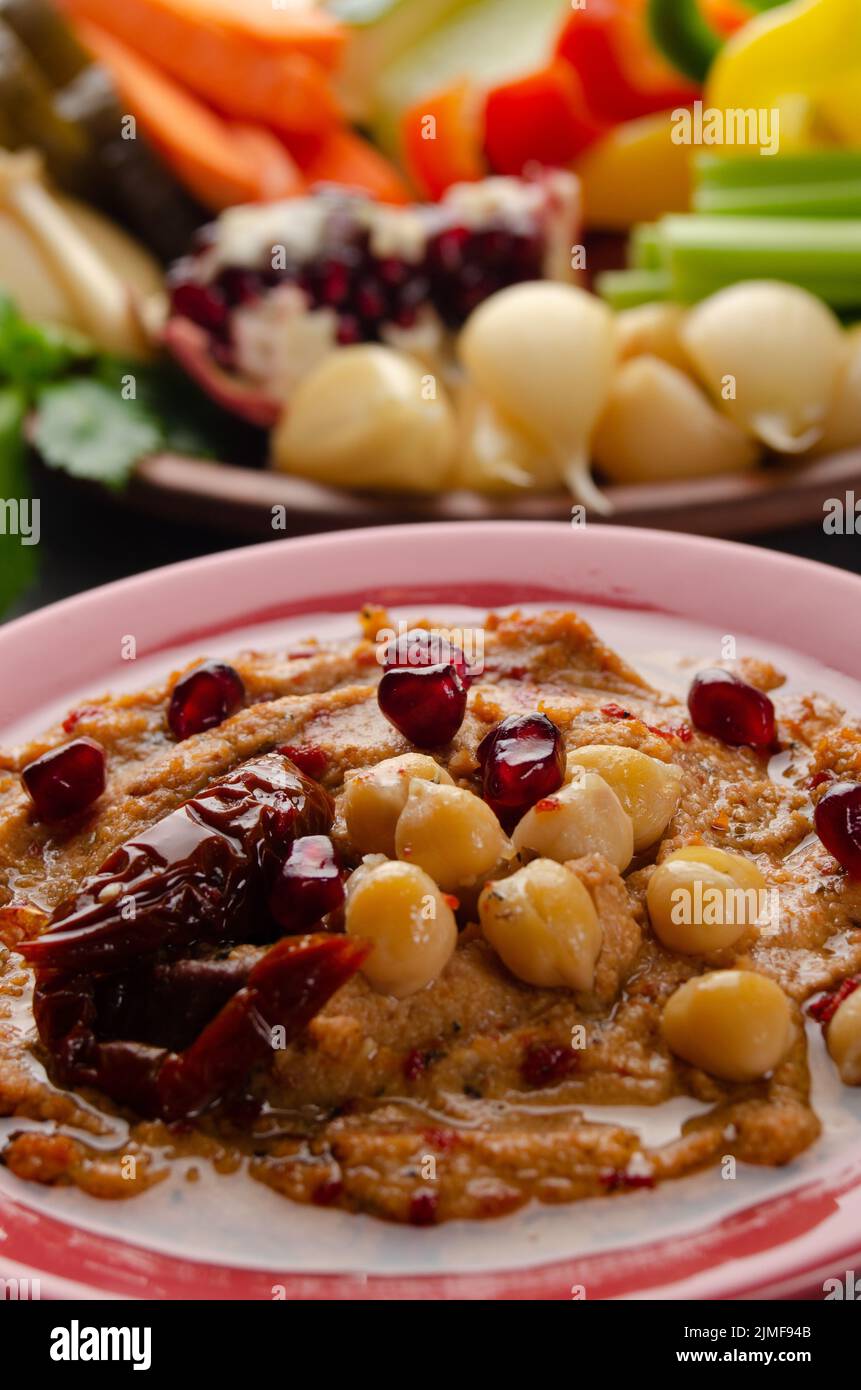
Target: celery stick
(625, 289)
(818, 199)
(811, 252)
(644, 247)
(843, 295)
(758, 171)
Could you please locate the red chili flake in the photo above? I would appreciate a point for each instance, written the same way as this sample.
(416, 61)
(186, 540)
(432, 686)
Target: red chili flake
(308, 758)
(301, 653)
(442, 1140)
(680, 731)
(327, 1192)
(452, 901)
(817, 780)
(825, 1008)
(614, 711)
(544, 1064)
(419, 1059)
(72, 720)
(547, 803)
(423, 1207)
(618, 1180)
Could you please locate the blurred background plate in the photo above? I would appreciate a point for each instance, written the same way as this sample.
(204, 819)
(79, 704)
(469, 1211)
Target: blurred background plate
(240, 500)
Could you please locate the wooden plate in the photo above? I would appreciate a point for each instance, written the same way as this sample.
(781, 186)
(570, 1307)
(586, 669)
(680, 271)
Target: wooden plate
(230, 498)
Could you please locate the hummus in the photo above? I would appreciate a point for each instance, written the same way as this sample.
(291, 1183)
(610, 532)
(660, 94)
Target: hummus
(467, 1098)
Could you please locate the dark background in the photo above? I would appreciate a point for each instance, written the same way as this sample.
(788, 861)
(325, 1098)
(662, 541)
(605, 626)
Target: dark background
(86, 541)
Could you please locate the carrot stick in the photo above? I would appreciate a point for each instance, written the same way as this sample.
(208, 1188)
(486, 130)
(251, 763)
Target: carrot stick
(345, 158)
(278, 175)
(197, 144)
(311, 31)
(246, 77)
(441, 139)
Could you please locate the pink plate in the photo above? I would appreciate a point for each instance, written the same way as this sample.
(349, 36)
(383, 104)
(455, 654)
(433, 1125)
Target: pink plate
(781, 1244)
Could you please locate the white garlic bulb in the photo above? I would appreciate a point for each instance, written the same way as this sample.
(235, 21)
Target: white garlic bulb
(770, 355)
(496, 455)
(543, 353)
(658, 425)
(843, 423)
(652, 329)
(368, 417)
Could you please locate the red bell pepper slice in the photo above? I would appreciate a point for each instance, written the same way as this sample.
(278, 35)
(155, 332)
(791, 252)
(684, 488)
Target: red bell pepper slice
(607, 43)
(543, 118)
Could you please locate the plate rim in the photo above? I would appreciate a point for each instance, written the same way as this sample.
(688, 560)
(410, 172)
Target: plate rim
(528, 1281)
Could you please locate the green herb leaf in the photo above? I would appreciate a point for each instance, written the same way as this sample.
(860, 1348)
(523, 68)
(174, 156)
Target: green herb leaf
(86, 427)
(31, 353)
(190, 422)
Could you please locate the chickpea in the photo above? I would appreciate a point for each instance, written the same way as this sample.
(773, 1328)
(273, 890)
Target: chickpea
(583, 817)
(702, 899)
(542, 923)
(648, 789)
(374, 797)
(735, 1024)
(451, 833)
(844, 1039)
(400, 909)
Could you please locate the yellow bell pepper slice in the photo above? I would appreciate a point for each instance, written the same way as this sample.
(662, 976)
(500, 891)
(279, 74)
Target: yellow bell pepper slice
(635, 173)
(802, 60)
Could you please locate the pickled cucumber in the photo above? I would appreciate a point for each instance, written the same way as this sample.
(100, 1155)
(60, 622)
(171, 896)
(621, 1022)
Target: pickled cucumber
(32, 121)
(135, 187)
(47, 37)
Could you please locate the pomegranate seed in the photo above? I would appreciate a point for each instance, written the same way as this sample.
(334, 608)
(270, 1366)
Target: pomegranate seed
(418, 647)
(334, 283)
(544, 1064)
(406, 317)
(309, 884)
(203, 304)
(204, 698)
(66, 780)
(370, 302)
(392, 271)
(240, 286)
(349, 330)
(426, 704)
(838, 824)
(723, 705)
(522, 761)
